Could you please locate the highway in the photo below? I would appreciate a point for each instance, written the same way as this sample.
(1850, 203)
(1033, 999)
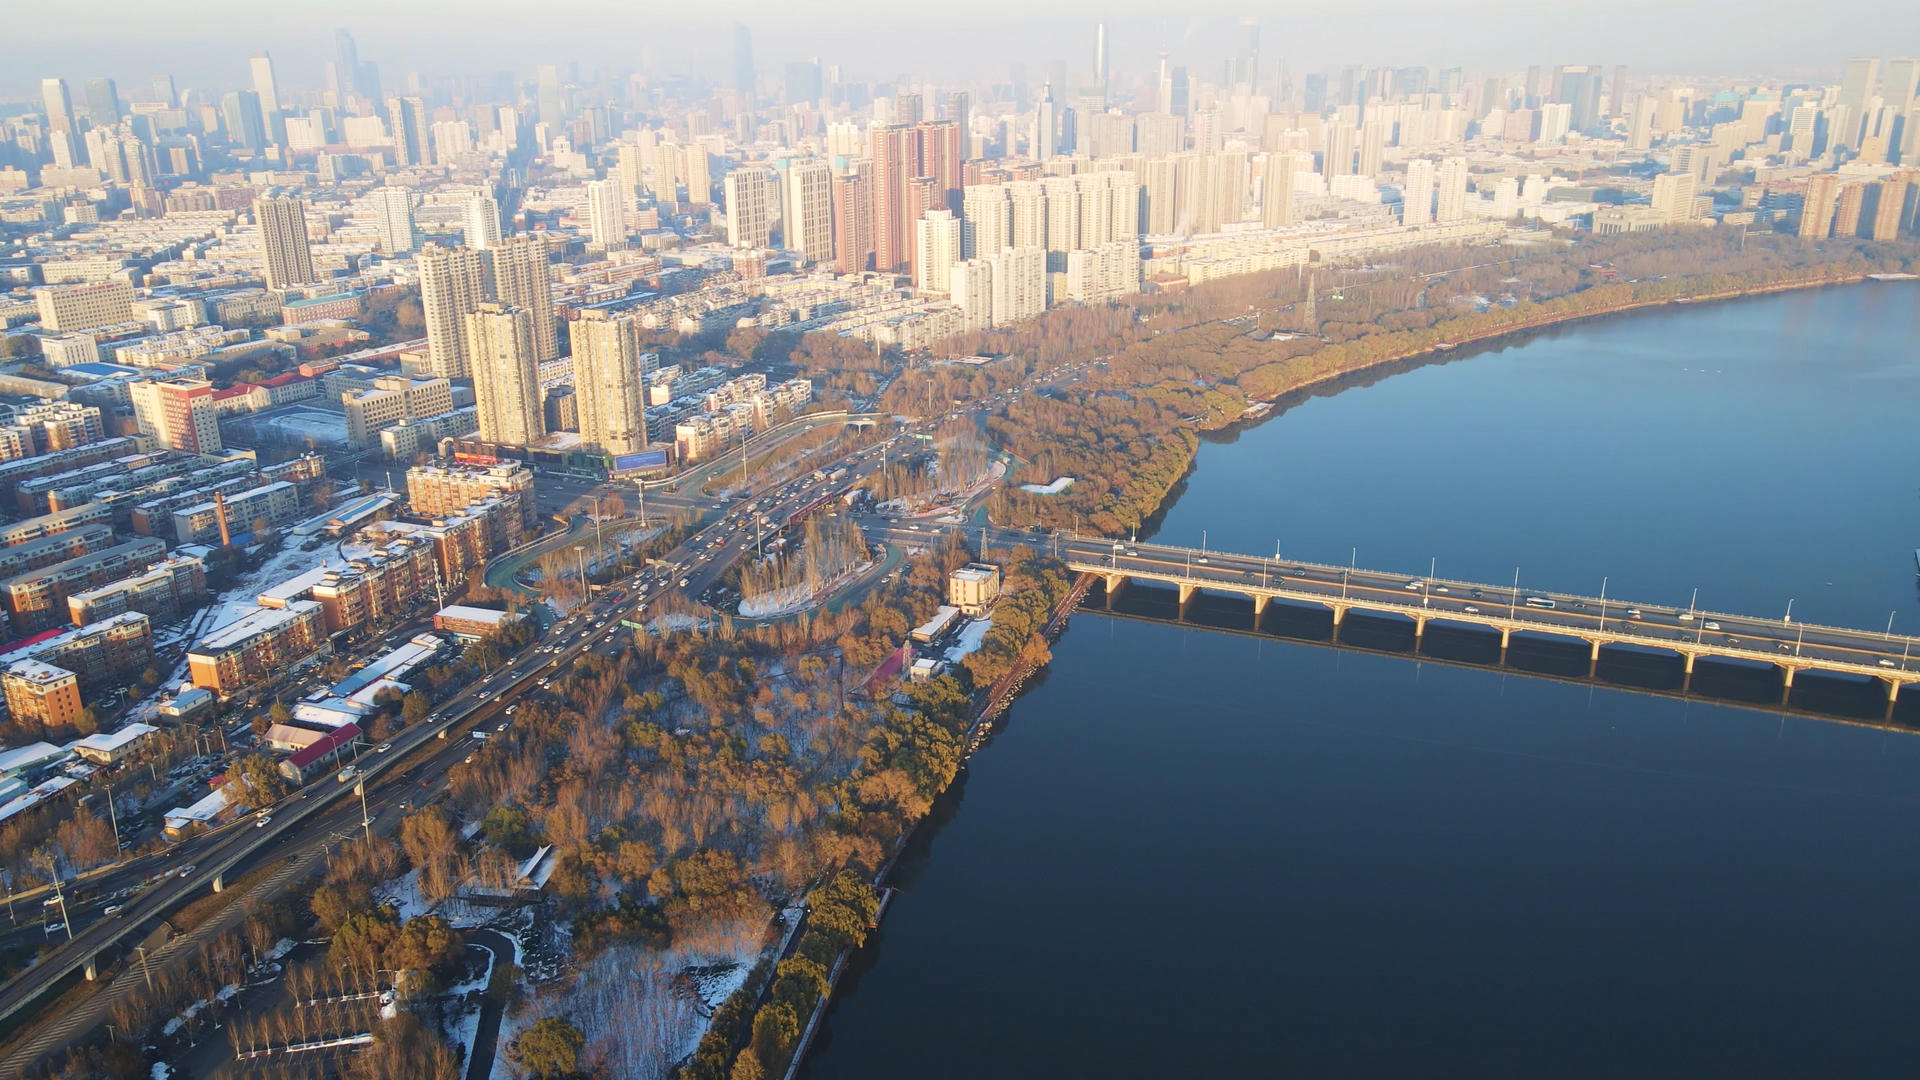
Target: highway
(1509, 608)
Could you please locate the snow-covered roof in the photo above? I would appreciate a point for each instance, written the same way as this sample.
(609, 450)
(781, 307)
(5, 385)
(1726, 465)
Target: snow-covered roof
(107, 742)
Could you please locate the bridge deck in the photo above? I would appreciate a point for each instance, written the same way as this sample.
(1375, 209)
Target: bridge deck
(1599, 621)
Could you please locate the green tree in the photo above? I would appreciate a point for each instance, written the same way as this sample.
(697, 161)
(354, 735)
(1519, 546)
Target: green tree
(415, 707)
(510, 828)
(776, 1027)
(550, 1049)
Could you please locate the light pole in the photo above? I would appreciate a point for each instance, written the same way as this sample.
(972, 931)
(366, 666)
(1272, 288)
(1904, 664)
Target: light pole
(1797, 640)
(1353, 563)
(1603, 603)
(1513, 600)
(1426, 594)
(1789, 616)
(1693, 600)
(1890, 616)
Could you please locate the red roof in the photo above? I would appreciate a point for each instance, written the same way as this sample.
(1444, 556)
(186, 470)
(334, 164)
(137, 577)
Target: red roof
(234, 391)
(287, 379)
(332, 741)
(43, 635)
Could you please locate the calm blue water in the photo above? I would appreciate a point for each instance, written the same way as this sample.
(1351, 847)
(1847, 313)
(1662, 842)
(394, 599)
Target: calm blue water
(1193, 854)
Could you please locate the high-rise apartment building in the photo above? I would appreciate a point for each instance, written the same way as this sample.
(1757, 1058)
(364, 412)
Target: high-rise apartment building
(750, 202)
(937, 248)
(506, 375)
(1817, 207)
(970, 284)
(1416, 199)
(453, 283)
(609, 380)
(1673, 196)
(1451, 191)
(1337, 160)
(523, 278)
(178, 414)
(853, 215)
(697, 171)
(393, 219)
(1027, 214)
(808, 217)
(606, 215)
(1019, 285)
(66, 308)
(283, 241)
(895, 161)
(986, 220)
(482, 223)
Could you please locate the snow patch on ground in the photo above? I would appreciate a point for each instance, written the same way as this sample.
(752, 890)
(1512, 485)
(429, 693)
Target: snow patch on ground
(795, 597)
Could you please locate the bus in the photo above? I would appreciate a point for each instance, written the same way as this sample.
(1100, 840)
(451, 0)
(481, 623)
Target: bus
(1539, 601)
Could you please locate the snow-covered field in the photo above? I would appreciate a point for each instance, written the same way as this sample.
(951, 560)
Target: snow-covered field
(795, 597)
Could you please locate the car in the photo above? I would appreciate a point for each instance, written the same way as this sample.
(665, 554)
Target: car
(1415, 585)
(1471, 610)
(1440, 588)
(56, 927)
(261, 823)
(111, 910)
(383, 747)
(1884, 662)
(1683, 616)
(469, 760)
(1475, 593)
(188, 869)
(1202, 560)
(1711, 625)
(1633, 616)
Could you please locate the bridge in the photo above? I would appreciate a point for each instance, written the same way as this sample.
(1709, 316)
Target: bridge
(1601, 621)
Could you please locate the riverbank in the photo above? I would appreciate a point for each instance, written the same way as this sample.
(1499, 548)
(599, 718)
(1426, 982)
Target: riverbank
(1540, 322)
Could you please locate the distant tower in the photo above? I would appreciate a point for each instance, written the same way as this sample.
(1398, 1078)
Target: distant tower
(483, 223)
(59, 104)
(743, 73)
(268, 90)
(1100, 58)
(1040, 143)
(606, 215)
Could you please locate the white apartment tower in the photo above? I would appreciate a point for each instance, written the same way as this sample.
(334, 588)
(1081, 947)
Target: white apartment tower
(393, 219)
(1416, 199)
(750, 201)
(808, 219)
(1451, 186)
(936, 249)
(606, 215)
(483, 223)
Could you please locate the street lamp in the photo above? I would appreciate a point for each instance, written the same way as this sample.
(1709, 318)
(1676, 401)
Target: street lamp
(1603, 603)
(1890, 616)
(1513, 600)
(1789, 616)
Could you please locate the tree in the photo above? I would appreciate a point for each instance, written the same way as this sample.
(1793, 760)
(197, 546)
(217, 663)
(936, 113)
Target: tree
(550, 1049)
(415, 707)
(775, 1029)
(509, 828)
(425, 943)
(255, 782)
(747, 1066)
(403, 1046)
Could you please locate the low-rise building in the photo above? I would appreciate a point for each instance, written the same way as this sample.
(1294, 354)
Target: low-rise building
(441, 489)
(258, 647)
(165, 591)
(319, 757)
(111, 748)
(472, 623)
(37, 599)
(278, 504)
(974, 587)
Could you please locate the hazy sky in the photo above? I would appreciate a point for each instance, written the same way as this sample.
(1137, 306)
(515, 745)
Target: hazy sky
(205, 43)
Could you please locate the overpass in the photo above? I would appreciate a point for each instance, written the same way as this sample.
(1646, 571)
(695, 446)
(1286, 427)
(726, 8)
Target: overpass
(1601, 621)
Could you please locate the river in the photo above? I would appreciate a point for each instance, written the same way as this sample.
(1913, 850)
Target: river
(1191, 853)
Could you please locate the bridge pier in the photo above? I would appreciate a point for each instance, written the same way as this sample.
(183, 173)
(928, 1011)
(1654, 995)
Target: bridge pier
(1688, 657)
(219, 882)
(1187, 590)
(93, 972)
(1419, 627)
(1114, 584)
(1259, 606)
(1339, 612)
(1786, 677)
(1893, 692)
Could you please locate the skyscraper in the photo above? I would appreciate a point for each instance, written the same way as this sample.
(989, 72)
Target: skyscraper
(265, 87)
(393, 218)
(609, 374)
(58, 103)
(1100, 58)
(1243, 71)
(103, 102)
(743, 73)
(606, 215)
(240, 110)
(750, 205)
(1040, 142)
(523, 278)
(1451, 188)
(1416, 199)
(959, 110)
(697, 170)
(506, 376)
(1019, 285)
(453, 284)
(482, 223)
(547, 92)
(283, 241)
(1338, 158)
(808, 217)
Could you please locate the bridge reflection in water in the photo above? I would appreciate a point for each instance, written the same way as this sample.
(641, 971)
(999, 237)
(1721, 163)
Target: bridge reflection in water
(1651, 670)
